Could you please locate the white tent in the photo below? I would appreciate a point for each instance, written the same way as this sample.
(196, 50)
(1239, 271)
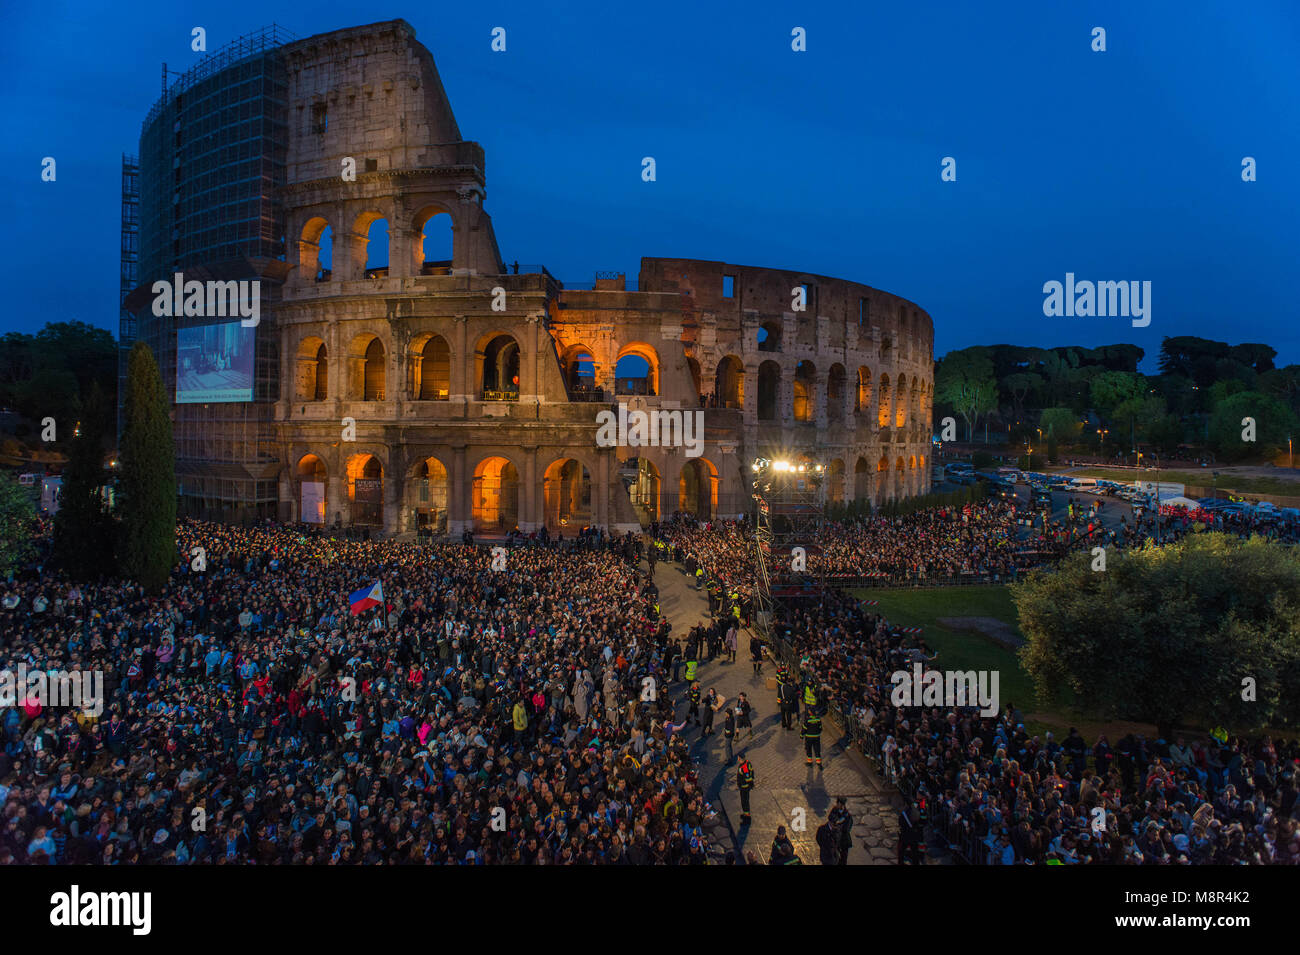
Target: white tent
(1186, 502)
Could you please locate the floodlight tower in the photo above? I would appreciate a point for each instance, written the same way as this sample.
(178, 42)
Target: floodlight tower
(789, 500)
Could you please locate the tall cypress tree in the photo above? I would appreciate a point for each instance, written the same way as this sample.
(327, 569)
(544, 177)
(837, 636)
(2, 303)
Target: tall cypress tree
(148, 481)
(83, 527)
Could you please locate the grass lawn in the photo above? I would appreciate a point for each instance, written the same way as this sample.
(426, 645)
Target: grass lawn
(970, 650)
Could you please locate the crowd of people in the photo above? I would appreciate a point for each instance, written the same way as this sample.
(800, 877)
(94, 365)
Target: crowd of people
(477, 716)
(997, 794)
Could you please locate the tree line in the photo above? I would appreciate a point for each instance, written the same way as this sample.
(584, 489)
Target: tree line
(1096, 399)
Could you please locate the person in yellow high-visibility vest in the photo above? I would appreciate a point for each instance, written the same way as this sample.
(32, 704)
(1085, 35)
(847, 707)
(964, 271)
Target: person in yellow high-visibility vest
(809, 696)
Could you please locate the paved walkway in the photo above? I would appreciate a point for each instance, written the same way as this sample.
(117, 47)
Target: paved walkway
(786, 791)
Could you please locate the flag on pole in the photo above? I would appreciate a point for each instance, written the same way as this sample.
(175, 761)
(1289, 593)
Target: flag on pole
(367, 597)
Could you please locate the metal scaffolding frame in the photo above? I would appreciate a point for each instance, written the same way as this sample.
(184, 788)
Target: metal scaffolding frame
(129, 275)
(213, 152)
(790, 508)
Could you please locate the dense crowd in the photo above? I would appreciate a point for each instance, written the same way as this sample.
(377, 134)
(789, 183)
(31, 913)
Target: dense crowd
(998, 794)
(985, 540)
(478, 717)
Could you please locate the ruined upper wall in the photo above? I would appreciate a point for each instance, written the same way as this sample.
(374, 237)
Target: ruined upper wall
(369, 92)
(768, 292)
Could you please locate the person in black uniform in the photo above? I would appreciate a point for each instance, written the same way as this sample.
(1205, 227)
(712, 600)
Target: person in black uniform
(729, 733)
(787, 694)
(910, 835)
(744, 782)
(841, 823)
(693, 711)
(710, 708)
(812, 737)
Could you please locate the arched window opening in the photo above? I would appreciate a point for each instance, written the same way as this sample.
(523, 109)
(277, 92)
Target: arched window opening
(373, 372)
(805, 404)
(433, 244)
(729, 388)
(500, 369)
(435, 370)
(377, 249)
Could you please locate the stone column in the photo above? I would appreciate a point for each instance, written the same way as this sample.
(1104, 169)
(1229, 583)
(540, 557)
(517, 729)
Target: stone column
(462, 365)
(531, 517)
(459, 505)
(355, 257)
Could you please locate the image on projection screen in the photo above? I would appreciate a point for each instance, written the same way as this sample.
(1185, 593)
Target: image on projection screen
(214, 363)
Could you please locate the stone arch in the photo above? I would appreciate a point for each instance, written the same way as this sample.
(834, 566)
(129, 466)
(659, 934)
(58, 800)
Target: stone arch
(769, 391)
(862, 480)
(366, 489)
(427, 496)
(371, 231)
(644, 485)
(882, 479)
(315, 250)
(862, 401)
(311, 374)
(697, 489)
(885, 396)
(578, 363)
(900, 403)
(729, 385)
(629, 377)
(836, 380)
(769, 336)
(497, 364)
(430, 358)
(835, 482)
(433, 240)
(805, 393)
(900, 478)
(311, 478)
(494, 502)
(566, 495)
(367, 368)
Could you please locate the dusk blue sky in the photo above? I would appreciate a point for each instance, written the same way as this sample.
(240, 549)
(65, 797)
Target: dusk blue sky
(1117, 165)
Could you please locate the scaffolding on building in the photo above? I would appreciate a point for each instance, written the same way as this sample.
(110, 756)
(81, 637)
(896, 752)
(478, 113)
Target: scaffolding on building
(129, 275)
(790, 507)
(213, 153)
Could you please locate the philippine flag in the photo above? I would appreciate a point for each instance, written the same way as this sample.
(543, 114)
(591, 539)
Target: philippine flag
(367, 597)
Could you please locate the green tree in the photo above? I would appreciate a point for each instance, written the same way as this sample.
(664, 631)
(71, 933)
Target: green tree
(1169, 633)
(1018, 387)
(1274, 421)
(1112, 388)
(1059, 423)
(965, 380)
(17, 512)
(148, 482)
(83, 528)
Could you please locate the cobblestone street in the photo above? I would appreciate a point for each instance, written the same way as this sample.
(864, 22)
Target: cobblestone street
(784, 784)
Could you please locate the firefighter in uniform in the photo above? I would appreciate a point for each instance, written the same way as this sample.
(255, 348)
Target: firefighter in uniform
(744, 782)
(787, 694)
(694, 711)
(812, 737)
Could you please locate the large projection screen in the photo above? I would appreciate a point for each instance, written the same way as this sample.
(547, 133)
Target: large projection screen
(214, 363)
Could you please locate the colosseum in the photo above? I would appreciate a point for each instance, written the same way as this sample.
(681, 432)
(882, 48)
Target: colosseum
(446, 389)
